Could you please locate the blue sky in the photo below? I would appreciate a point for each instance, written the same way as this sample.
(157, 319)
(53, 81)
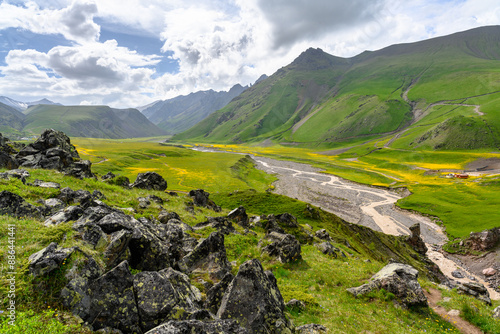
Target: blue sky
(129, 53)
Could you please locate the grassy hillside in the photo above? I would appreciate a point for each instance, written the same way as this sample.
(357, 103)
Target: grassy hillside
(322, 100)
(11, 120)
(317, 279)
(90, 121)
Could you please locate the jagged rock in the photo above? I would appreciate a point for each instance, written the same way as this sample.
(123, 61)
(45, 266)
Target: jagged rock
(69, 196)
(117, 249)
(239, 216)
(14, 205)
(163, 296)
(216, 292)
(208, 256)
(53, 150)
(201, 198)
(255, 302)
(150, 181)
(483, 241)
(496, 312)
(19, 174)
(65, 215)
(294, 304)
(270, 225)
(52, 205)
(48, 259)
(107, 301)
(6, 152)
(476, 290)
(399, 279)
(143, 202)
(457, 274)
(156, 199)
(196, 326)
(311, 329)
(328, 249)
(322, 234)
(93, 214)
(94, 235)
(284, 246)
(43, 184)
(287, 220)
(108, 176)
(415, 240)
(165, 216)
(96, 194)
(489, 272)
(222, 224)
(185, 227)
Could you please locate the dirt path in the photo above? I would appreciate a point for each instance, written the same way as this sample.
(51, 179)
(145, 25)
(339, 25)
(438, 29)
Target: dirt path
(433, 297)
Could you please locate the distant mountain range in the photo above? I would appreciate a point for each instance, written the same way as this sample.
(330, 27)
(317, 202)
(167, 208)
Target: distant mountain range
(21, 106)
(182, 112)
(441, 93)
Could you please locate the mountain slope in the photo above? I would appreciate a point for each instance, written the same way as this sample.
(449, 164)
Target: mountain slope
(18, 105)
(90, 121)
(182, 112)
(10, 118)
(324, 100)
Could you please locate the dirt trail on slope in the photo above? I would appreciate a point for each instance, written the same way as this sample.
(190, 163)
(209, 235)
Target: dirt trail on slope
(465, 327)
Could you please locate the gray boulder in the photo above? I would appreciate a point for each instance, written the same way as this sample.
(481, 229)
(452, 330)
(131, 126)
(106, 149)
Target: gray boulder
(209, 256)
(216, 292)
(165, 216)
(311, 329)
(239, 216)
(150, 181)
(222, 224)
(14, 205)
(65, 215)
(328, 249)
(48, 259)
(163, 296)
(399, 279)
(201, 198)
(255, 302)
(117, 249)
(287, 220)
(477, 290)
(322, 234)
(45, 184)
(284, 246)
(199, 327)
(496, 312)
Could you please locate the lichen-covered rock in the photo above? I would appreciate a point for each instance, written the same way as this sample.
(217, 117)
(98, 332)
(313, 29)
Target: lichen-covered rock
(165, 216)
(255, 302)
(322, 234)
(328, 249)
(150, 181)
(477, 290)
(14, 205)
(295, 304)
(143, 202)
(48, 259)
(52, 205)
(70, 196)
(117, 249)
(199, 327)
(216, 292)
(19, 174)
(287, 220)
(94, 235)
(399, 279)
(7, 159)
(164, 295)
(107, 301)
(221, 224)
(108, 176)
(208, 256)
(53, 150)
(46, 184)
(311, 329)
(65, 215)
(201, 198)
(284, 246)
(239, 216)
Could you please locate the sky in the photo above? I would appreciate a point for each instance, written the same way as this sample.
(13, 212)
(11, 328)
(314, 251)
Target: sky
(129, 53)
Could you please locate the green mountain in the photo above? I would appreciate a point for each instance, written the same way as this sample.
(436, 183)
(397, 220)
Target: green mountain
(90, 121)
(182, 112)
(439, 93)
(10, 119)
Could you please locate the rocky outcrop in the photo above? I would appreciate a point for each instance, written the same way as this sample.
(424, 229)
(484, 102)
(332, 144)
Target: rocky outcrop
(328, 249)
(6, 154)
(65, 215)
(48, 259)
(239, 216)
(311, 329)
(398, 279)
(216, 293)
(201, 198)
(284, 246)
(53, 150)
(150, 181)
(264, 311)
(14, 205)
(322, 234)
(208, 256)
(415, 240)
(221, 224)
(483, 241)
(476, 290)
(196, 326)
